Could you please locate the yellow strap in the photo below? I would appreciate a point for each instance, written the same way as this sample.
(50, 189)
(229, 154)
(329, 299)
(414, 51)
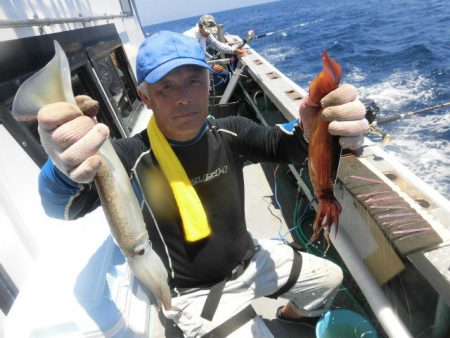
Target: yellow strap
(195, 223)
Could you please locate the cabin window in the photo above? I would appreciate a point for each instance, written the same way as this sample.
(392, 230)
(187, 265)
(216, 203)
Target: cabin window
(99, 68)
(115, 78)
(83, 83)
(126, 7)
(25, 133)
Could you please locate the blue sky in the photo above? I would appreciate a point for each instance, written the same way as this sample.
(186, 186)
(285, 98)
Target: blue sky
(155, 11)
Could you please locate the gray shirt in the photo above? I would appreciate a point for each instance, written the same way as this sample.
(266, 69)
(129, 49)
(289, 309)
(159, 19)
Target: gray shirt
(210, 41)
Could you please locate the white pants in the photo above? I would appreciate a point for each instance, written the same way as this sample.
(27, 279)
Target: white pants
(268, 271)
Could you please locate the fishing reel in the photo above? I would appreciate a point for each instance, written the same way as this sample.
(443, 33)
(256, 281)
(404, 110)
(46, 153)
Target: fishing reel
(250, 35)
(372, 111)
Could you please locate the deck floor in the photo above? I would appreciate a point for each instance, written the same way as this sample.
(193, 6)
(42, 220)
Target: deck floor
(263, 221)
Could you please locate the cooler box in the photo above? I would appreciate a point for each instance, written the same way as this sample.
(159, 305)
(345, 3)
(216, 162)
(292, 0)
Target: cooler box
(81, 286)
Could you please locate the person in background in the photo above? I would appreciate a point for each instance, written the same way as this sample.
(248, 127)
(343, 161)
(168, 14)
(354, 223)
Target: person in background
(204, 32)
(215, 277)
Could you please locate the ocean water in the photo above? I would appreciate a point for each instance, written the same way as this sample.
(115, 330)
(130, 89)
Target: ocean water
(396, 53)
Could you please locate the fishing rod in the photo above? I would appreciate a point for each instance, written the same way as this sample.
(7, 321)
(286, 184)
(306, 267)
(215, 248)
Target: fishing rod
(252, 36)
(385, 137)
(403, 115)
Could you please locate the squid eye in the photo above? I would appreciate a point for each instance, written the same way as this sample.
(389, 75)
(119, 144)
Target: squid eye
(140, 250)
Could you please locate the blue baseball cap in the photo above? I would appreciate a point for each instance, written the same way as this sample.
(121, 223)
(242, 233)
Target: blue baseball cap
(164, 51)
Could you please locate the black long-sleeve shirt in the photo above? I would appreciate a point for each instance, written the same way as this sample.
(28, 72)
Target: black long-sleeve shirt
(214, 163)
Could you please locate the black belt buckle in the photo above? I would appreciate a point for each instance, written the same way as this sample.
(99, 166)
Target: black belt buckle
(240, 268)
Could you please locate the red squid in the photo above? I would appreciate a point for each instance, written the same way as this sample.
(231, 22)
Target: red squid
(324, 151)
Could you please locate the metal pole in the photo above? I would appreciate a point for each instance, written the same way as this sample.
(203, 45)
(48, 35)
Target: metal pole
(221, 37)
(48, 22)
(233, 82)
(382, 308)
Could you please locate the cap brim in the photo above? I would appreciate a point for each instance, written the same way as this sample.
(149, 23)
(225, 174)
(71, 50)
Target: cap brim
(158, 73)
(210, 29)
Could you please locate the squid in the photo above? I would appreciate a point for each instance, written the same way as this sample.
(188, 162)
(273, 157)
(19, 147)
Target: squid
(324, 152)
(122, 210)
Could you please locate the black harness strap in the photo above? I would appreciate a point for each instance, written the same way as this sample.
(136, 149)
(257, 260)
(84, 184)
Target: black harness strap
(235, 322)
(212, 301)
(293, 276)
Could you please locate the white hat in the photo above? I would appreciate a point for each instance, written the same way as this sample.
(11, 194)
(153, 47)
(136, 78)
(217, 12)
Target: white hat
(209, 23)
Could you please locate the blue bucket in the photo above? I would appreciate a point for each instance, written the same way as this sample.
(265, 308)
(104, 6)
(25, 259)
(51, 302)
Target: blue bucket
(344, 324)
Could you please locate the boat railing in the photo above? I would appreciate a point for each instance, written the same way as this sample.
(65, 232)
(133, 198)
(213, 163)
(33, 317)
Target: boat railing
(58, 21)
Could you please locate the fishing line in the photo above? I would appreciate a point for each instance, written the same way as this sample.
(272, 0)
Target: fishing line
(296, 225)
(275, 188)
(281, 236)
(269, 203)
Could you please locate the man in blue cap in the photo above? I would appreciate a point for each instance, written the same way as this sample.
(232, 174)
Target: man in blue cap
(215, 276)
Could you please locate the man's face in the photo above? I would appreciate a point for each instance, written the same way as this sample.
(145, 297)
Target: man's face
(180, 102)
(202, 31)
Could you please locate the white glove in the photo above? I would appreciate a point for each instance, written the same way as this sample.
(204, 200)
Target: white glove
(345, 113)
(71, 137)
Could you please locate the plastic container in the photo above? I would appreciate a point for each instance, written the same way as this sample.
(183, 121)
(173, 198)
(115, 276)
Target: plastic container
(344, 323)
